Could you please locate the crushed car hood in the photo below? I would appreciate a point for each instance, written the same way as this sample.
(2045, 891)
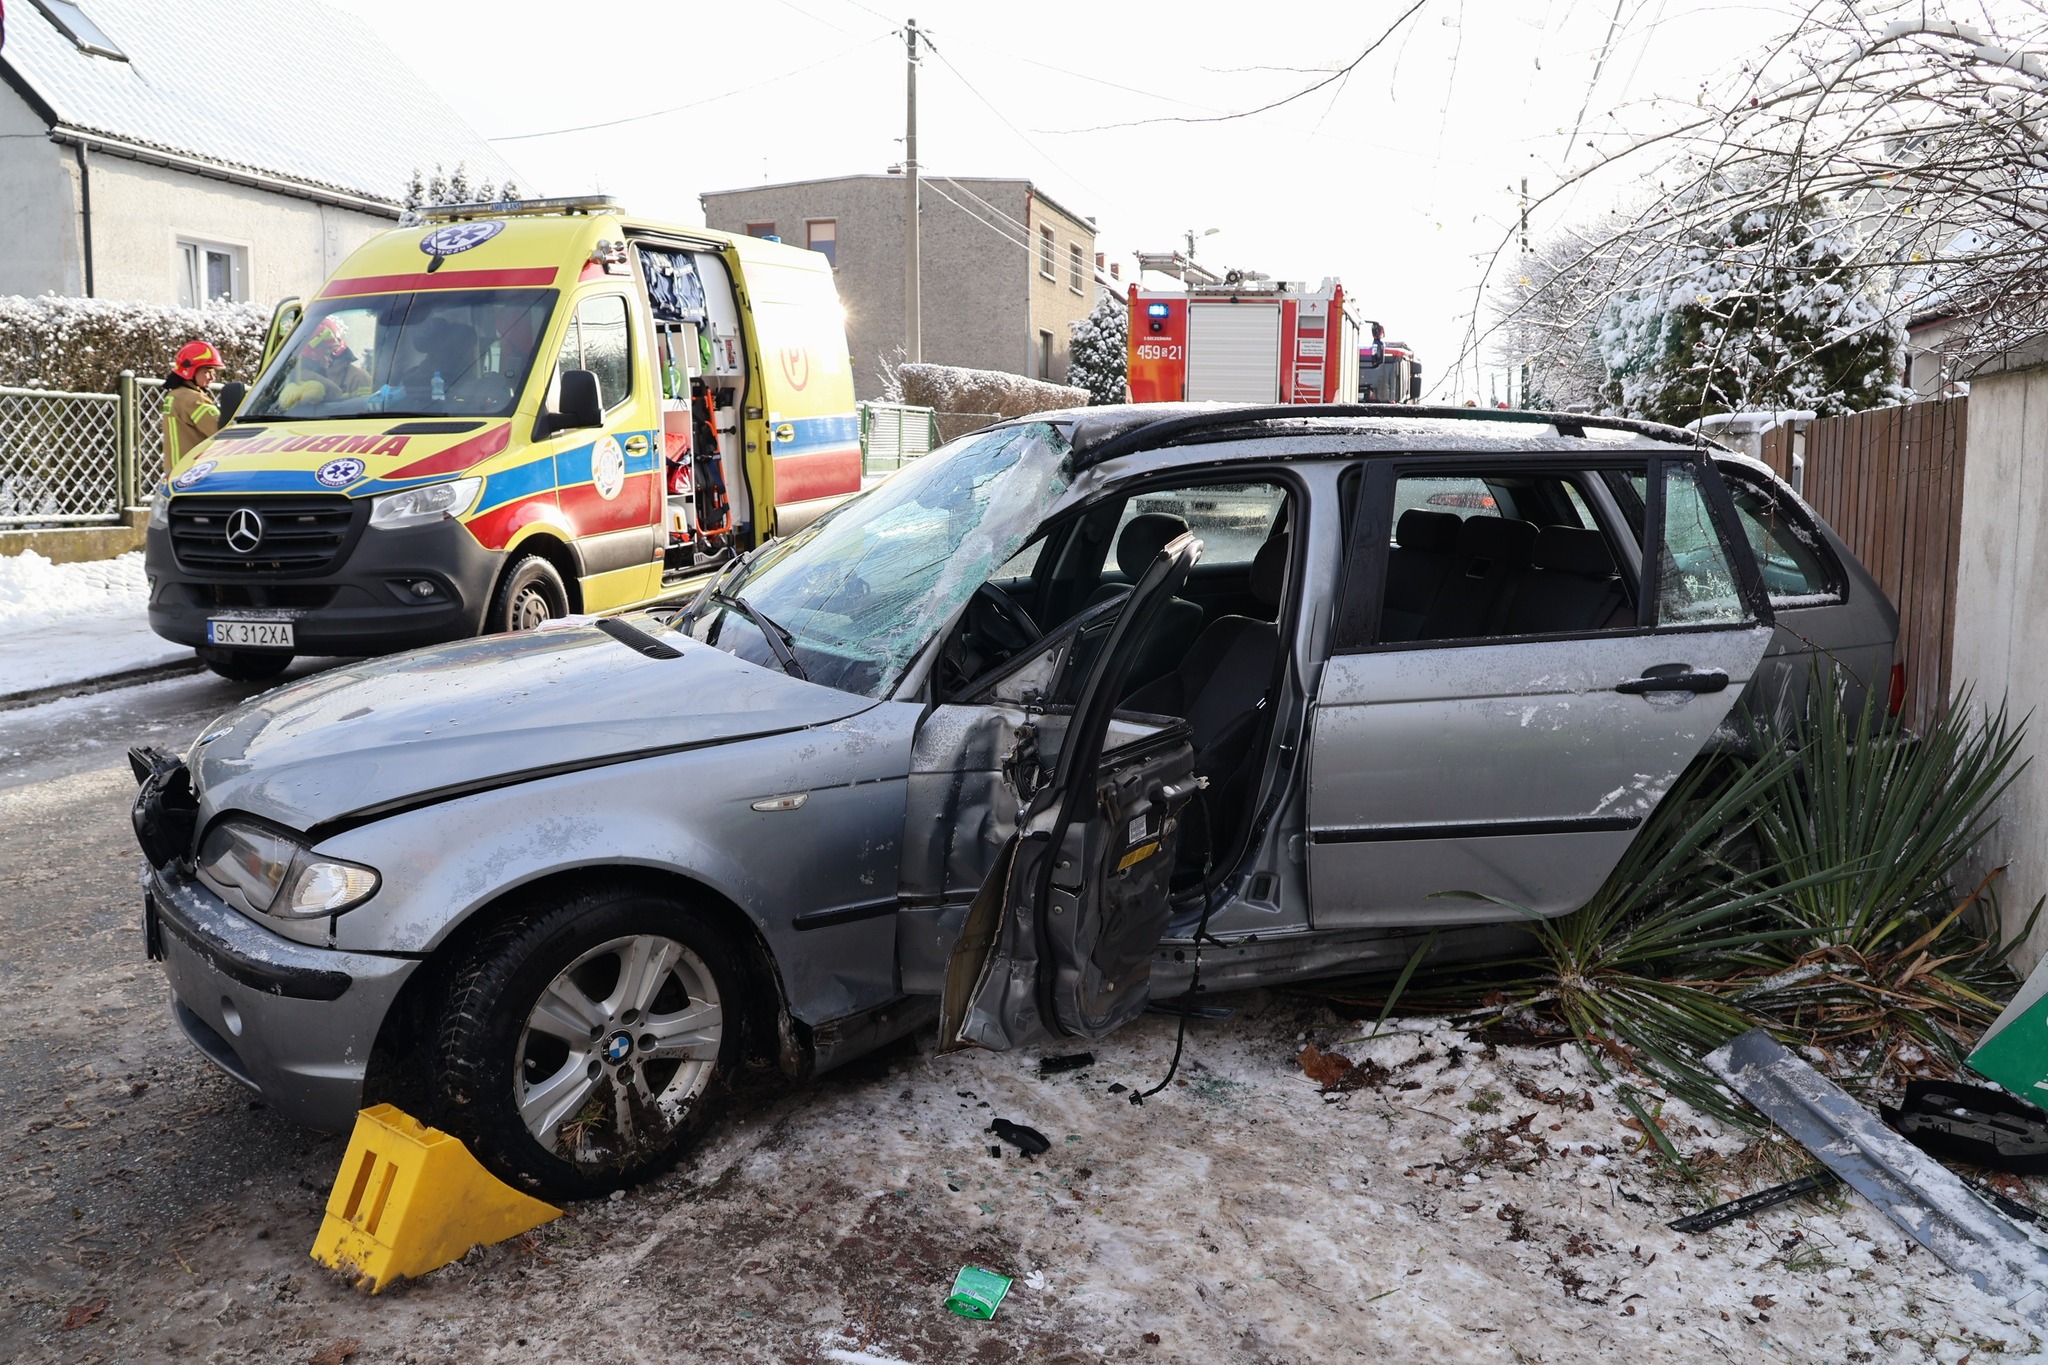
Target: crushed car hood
(392, 734)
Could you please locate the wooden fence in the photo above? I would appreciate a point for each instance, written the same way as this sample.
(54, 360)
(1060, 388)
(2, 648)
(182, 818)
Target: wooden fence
(1890, 481)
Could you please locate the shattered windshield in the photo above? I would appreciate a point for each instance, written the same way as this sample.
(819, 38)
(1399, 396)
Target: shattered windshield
(860, 591)
(444, 353)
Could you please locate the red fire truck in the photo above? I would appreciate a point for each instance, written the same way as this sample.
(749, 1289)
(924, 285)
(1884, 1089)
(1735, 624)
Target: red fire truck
(1243, 340)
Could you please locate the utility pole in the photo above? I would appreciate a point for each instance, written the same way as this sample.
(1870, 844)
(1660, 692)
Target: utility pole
(913, 321)
(1525, 272)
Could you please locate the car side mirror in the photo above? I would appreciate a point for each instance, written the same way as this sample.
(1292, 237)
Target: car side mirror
(582, 401)
(231, 395)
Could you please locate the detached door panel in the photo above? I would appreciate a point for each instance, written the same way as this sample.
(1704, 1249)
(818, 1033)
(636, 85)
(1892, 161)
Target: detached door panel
(1058, 942)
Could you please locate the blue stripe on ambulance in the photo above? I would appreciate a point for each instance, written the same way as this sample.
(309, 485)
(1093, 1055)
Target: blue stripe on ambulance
(521, 481)
(812, 434)
(573, 466)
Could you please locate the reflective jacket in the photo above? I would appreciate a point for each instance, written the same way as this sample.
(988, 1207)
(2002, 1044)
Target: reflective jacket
(190, 416)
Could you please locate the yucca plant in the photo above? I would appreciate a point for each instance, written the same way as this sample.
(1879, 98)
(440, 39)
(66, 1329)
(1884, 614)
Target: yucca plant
(1887, 956)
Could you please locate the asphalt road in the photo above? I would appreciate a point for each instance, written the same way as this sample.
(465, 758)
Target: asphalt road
(123, 1150)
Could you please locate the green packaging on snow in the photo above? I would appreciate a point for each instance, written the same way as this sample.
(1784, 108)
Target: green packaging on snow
(2014, 1050)
(977, 1293)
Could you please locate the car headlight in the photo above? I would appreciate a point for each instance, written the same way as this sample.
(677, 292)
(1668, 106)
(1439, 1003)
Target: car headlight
(159, 510)
(428, 502)
(249, 865)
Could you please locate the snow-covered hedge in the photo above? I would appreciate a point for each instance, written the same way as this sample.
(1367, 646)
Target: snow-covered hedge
(988, 393)
(82, 345)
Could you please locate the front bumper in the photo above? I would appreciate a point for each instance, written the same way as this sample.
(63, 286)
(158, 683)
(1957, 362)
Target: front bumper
(294, 1023)
(362, 604)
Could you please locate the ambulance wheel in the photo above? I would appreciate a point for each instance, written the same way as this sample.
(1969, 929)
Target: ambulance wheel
(587, 1043)
(530, 594)
(245, 665)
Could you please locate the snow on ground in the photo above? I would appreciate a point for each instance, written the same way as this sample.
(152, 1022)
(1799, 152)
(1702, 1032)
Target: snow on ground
(65, 623)
(1468, 1203)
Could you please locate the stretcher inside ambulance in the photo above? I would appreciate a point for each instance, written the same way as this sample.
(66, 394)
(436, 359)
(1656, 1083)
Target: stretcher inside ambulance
(504, 415)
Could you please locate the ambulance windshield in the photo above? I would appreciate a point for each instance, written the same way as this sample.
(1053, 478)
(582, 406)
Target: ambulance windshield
(860, 591)
(439, 353)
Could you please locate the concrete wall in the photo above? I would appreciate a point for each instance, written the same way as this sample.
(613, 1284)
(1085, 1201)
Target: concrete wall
(977, 248)
(139, 212)
(1055, 304)
(2001, 624)
(39, 247)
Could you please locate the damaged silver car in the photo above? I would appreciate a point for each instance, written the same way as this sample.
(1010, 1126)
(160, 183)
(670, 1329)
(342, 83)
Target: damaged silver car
(1020, 739)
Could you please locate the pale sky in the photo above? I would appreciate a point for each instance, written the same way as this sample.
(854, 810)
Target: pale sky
(1400, 181)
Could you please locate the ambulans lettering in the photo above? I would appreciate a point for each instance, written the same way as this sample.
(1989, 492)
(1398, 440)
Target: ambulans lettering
(321, 445)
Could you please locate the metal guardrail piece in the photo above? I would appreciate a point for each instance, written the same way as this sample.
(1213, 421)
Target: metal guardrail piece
(1909, 1187)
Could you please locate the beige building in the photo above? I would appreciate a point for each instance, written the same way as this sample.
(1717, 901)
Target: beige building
(1006, 270)
(163, 154)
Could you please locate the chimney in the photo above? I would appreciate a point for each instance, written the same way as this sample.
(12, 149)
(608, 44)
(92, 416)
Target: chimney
(1115, 270)
(1098, 260)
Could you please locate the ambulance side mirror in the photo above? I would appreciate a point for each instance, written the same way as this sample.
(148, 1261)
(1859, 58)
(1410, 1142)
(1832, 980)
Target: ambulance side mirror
(582, 401)
(231, 395)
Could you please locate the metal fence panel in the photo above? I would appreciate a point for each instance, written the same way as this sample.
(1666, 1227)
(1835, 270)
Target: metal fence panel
(60, 458)
(893, 434)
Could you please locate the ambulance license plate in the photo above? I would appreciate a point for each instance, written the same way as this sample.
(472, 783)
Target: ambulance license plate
(224, 630)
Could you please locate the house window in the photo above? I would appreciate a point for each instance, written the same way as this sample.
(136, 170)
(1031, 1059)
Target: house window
(210, 272)
(73, 23)
(761, 230)
(1075, 273)
(1045, 355)
(822, 236)
(1045, 253)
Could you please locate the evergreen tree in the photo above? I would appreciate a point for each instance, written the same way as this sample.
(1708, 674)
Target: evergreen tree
(1764, 314)
(1096, 360)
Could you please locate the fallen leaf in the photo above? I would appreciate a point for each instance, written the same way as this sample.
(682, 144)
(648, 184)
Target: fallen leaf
(1762, 1301)
(83, 1315)
(1324, 1068)
(337, 1353)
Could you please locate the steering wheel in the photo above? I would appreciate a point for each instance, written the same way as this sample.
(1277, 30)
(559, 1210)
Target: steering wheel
(1002, 621)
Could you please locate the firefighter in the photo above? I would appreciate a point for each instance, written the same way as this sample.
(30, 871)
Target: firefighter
(190, 413)
(327, 369)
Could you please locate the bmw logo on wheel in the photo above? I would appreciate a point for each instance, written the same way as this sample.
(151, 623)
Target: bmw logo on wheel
(618, 1047)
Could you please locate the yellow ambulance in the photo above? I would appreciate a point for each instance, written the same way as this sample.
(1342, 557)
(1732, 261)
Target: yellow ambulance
(503, 414)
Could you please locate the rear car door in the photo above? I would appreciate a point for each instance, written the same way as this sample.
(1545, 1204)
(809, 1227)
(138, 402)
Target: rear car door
(1058, 943)
(1519, 676)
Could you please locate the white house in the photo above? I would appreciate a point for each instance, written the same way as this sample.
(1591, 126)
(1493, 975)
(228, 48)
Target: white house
(177, 154)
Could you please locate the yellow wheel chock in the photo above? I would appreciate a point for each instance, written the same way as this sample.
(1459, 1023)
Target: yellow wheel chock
(410, 1199)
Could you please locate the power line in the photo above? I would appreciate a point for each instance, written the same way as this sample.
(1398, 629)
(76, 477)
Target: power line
(693, 104)
(1005, 121)
(1341, 73)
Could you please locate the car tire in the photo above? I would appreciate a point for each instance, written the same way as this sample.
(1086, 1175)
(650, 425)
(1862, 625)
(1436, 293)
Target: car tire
(649, 1064)
(245, 665)
(530, 594)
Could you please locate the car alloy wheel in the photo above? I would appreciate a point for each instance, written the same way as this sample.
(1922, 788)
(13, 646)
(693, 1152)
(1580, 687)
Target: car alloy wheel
(617, 1049)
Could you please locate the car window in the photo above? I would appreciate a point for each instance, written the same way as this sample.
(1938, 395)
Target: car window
(1465, 495)
(598, 341)
(1495, 555)
(857, 593)
(1231, 520)
(1696, 584)
(1796, 570)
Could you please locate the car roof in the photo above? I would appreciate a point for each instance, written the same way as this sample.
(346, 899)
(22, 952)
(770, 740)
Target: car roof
(1104, 433)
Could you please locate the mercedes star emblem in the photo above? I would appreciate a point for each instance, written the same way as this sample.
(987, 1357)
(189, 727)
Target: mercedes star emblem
(245, 531)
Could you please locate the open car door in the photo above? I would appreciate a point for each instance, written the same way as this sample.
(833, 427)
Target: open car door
(1059, 941)
(284, 320)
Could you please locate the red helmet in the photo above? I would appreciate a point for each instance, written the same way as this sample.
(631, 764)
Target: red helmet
(193, 357)
(329, 339)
